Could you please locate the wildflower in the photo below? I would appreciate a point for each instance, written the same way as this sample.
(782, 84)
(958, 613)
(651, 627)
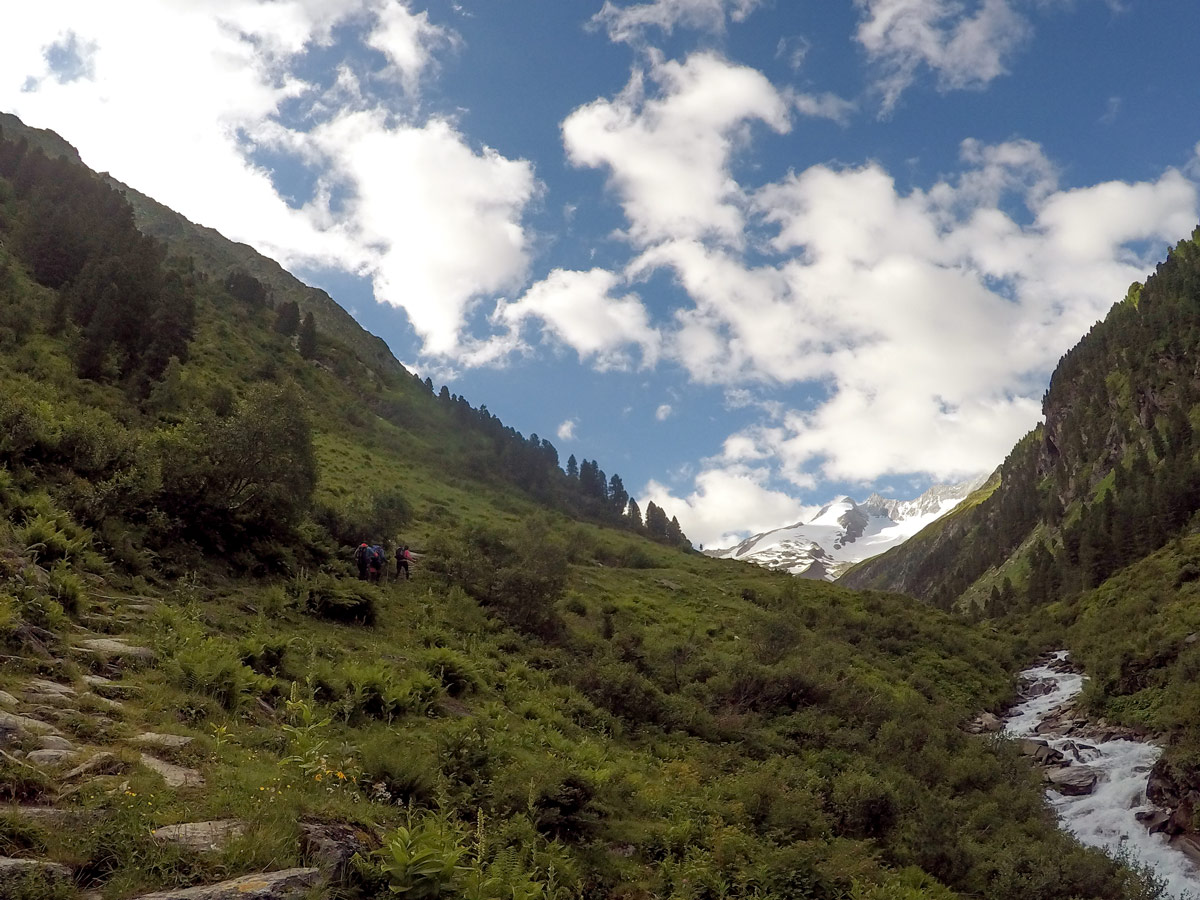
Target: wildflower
(317, 777)
(341, 776)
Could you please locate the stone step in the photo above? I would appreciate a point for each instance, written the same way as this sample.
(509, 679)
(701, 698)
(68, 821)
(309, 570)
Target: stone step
(288, 884)
(202, 837)
(175, 776)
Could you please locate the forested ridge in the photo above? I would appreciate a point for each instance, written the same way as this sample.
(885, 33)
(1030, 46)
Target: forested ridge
(564, 701)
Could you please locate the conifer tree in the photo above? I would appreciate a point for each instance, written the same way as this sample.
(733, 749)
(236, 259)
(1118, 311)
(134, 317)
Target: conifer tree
(287, 319)
(656, 520)
(308, 337)
(634, 514)
(572, 467)
(618, 497)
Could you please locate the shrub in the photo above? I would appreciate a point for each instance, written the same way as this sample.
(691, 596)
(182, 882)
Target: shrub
(325, 597)
(453, 670)
(211, 668)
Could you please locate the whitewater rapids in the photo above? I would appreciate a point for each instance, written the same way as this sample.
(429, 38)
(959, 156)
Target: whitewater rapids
(1106, 818)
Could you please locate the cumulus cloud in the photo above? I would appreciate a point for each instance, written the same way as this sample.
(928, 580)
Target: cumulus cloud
(408, 40)
(724, 495)
(580, 310)
(409, 201)
(668, 155)
(566, 431)
(927, 320)
(629, 22)
(963, 49)
(442, 219)
(663, 412)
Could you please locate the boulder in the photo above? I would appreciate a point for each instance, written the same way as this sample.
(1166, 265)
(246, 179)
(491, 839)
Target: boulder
(48, 759)
(174, 776)
(203, 837)
(1155, 820)
(161, 741)
(985, 723)
(14, 871)
(54, 742)
(330, 845)
(7, 699)
(1048, 756)
(1188, 845)
(1074, 781)
(1030, 746)
(283, 885)
(117, 649)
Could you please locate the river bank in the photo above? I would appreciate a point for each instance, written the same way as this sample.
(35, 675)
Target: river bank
(1097, 776)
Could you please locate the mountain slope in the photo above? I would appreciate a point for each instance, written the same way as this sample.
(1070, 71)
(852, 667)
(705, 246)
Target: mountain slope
(1110, 476)
(844, 532)
(555, 706)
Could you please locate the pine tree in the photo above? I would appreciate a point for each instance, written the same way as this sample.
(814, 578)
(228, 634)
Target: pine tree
(656, 520)
(287, 319)
(634, 514)
(572, 467)
(308, 337)
(617, 495)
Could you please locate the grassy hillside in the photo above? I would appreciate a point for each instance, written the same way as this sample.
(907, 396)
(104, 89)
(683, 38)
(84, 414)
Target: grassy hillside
(556, 705)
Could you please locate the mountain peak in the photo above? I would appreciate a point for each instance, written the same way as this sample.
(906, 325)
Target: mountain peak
(844, 532)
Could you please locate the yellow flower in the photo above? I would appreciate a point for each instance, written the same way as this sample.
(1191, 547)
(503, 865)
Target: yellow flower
(341, 775)
(317, 777)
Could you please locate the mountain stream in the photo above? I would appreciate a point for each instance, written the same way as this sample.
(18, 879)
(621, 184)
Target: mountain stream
(1105, 817)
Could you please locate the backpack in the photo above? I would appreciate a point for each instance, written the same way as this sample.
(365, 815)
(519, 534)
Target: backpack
(376, 556)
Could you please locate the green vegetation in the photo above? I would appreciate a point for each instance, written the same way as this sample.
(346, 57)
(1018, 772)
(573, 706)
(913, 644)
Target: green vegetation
(564, 701)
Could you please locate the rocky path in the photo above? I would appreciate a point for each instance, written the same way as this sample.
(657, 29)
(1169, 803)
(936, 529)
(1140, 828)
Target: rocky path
(49, 766)
(1096, 775)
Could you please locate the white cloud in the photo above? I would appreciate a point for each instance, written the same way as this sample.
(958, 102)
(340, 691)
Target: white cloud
(566, 431)
(407, 39)
(825, 106)
(923, 323)
(442, 220)
(435, 221)
(964, 50)
(668, 156)
(579, 309)
(723, 496)
(629, 22)
(663, 412)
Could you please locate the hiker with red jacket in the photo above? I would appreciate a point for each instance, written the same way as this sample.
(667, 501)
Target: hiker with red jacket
(403, 558)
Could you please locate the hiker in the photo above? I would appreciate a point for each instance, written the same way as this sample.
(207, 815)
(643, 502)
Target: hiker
(403, 558)
(376, 563)
(362, 556)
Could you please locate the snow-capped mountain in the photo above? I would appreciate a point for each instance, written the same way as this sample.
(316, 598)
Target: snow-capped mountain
(845, 532)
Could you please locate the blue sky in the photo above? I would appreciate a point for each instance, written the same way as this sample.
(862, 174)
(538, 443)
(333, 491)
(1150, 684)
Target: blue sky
(748, 254)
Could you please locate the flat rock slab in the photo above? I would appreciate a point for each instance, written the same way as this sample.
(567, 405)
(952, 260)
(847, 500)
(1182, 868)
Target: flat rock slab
(117, 648)
(49, 816)
(106, 687)
(7, 699)
(13, 871)
(49, 759)
(1074, 781)
(161, 741)
(42, 686)
(54, 742)
(174, 776)
(200, 836)
(284, 885)
(24, 725)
